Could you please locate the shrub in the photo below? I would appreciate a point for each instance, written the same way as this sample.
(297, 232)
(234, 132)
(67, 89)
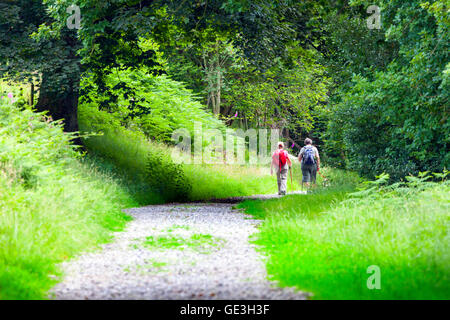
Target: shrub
(167, 177)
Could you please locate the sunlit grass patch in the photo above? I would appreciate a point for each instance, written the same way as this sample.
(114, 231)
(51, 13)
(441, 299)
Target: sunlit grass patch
(200, 242)
(176, 228)
(151, 266)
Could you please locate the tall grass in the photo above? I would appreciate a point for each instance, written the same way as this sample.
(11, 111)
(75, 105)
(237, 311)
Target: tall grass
(130, 151)
(52, 205)
(123, 151)
(325, 242)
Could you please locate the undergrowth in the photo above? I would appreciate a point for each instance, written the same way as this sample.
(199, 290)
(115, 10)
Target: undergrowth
(52, 204)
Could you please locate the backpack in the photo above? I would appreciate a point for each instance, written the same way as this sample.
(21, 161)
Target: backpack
(280, 156)
(308, 156)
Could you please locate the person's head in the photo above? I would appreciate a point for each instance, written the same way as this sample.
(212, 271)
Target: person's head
(308, 141)
(280, 145)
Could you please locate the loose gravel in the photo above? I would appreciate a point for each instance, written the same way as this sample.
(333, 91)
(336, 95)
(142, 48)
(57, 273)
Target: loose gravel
(226, 266)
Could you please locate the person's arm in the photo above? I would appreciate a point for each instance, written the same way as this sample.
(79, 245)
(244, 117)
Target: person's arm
(289, 161)
(300, 156)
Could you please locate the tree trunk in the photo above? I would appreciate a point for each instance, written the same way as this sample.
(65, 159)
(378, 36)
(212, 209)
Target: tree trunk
(60, 105)
(59, 87)
(219, 84)
(31, 93)
(213, 102)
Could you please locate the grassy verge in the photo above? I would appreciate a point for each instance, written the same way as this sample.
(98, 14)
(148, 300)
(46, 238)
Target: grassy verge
(325, 242)
(52, 203)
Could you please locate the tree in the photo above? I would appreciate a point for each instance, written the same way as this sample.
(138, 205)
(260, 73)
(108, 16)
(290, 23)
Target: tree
(393, 116)
(285, 96)
(29, 51)
(111, 31)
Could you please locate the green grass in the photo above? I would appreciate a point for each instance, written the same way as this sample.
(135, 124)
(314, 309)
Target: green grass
(199, 242)
(177, 227)
(151, 266)
(53, 204)
(324, 244)
(129, 151)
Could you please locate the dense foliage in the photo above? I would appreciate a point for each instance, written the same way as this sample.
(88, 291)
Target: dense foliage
(30, 51)
(310, 68)
(164, 105)
(391, 115)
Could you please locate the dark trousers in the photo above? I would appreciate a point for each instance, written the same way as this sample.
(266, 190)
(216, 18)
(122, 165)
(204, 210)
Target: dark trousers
(309, 172)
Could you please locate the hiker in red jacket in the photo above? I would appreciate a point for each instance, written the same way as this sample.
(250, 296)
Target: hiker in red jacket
(281, 162)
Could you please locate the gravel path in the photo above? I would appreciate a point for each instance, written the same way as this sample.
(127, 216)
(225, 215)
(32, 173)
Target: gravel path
(255, 197)
(191, 251)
